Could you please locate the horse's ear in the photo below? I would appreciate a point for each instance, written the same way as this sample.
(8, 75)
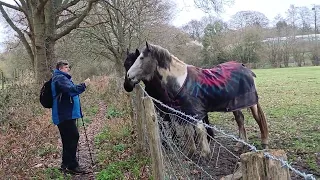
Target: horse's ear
(147, 45)
(137, 52)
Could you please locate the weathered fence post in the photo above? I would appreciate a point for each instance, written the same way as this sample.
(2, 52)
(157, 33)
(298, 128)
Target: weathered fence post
(254, 165)
(154, 139)
(140, 119)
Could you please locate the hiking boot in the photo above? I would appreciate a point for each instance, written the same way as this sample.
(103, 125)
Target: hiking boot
(77, 170)
(63, 167)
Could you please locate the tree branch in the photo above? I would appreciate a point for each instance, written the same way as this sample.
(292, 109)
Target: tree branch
(64, 22)
(73, 13)
(113, 7)
(21, 35)
(77, 22)
(41, 5)
(66, 6)
(10, 6)
(93, 25)
(27, 12)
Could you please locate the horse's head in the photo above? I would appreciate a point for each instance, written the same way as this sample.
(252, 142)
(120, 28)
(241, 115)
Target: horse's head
(131, 58)
(151, 58)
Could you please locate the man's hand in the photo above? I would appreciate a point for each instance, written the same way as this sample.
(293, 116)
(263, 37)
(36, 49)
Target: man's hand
(87, 81)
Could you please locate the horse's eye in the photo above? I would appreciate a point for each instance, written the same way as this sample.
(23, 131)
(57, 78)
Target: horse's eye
(141, 58)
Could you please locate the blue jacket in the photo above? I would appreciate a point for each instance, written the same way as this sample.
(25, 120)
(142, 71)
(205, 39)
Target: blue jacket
(66, 101)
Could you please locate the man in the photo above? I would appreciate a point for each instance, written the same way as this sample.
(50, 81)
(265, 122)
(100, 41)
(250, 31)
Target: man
(65, 110)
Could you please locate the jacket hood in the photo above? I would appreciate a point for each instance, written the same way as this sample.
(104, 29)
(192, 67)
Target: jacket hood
(58, 72)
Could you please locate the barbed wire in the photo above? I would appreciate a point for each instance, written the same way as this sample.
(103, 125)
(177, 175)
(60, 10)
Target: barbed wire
(172, 146)
(252, 147)
(195, 125)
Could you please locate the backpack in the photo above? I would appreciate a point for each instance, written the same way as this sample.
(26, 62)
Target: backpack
(46, 94)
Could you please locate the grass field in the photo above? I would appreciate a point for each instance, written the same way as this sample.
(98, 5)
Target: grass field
(290, 98)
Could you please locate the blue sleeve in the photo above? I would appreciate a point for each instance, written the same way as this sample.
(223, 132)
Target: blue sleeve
(66, 86)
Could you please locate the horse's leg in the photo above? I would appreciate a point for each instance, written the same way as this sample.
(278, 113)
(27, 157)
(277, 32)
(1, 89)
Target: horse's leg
(259, 116)
(204, 145)
(238, 116)
(190, 146)
(209, 130)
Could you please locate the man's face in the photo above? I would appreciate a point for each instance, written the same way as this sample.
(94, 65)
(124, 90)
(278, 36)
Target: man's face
(65, 69)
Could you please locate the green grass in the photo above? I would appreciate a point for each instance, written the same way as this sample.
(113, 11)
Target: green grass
(112, 112)
(46, 150)
(290, 98)
(55, 173)
(116, 155)
(93, 110)
(117, 169)
(86, 121)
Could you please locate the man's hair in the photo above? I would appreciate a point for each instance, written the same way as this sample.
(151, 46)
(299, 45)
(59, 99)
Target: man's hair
(60, 64)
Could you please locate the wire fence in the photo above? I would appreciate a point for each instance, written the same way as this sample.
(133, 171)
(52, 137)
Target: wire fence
(17, 76)
(174, 144)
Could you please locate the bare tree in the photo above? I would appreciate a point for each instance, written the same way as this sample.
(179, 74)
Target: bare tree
(40, 23)
(248, 18)
(215, 44)
(122, 24)
(215, 6)
(247, 50)
(273, 52)
(194, 28)
(304, 19)
(173, 39)
(273, 46)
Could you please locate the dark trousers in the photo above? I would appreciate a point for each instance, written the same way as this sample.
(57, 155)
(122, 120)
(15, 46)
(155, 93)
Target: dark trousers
(69, 137)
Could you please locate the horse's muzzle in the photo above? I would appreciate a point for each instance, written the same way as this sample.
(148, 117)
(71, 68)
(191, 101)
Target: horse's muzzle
(129, 85)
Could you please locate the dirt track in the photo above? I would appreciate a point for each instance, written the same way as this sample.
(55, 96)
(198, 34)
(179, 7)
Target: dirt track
(92, 129)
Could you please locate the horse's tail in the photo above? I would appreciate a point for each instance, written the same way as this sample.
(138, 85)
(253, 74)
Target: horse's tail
(260, 112)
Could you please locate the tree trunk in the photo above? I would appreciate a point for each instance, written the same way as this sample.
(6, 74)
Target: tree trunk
(41, 62)
(119, 68)
(50, 32)
(286, 59)
(50, 55)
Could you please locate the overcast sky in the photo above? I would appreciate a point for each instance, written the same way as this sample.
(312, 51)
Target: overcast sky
(186, 10)
(268, 7)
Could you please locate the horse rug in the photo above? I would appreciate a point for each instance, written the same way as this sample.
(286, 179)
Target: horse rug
(226, 87)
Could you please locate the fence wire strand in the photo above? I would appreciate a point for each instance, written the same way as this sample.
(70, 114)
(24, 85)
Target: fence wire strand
(174, 152)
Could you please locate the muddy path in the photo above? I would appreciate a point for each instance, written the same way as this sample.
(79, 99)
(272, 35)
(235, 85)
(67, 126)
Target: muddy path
(91, 130)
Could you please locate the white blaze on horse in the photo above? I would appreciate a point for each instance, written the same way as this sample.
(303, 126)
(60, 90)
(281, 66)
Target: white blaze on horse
(228, 87)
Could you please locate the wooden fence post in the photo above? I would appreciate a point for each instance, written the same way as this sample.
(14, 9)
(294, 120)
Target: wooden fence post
(154, 139)
(140, 119)
(254, 165)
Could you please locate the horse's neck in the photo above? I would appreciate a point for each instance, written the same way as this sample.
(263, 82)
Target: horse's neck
(174, 76)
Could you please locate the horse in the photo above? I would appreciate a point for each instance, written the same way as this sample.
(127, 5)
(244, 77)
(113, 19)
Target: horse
(227, 87)
(153, 90)
(159, 93)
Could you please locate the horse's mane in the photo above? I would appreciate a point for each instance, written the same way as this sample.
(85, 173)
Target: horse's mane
(162, 55)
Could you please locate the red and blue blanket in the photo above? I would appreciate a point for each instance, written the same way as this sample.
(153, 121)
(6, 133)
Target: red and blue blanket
(226, 87)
